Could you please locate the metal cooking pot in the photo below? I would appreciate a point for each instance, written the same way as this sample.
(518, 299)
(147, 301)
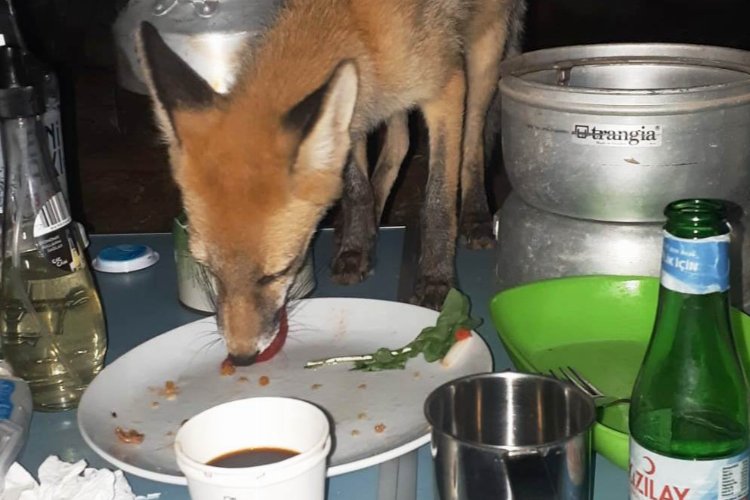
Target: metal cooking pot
(207, 34)
(615, 132)
(535, 245)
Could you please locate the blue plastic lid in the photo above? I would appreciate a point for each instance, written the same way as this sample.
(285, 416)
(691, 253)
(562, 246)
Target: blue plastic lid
(125, 258)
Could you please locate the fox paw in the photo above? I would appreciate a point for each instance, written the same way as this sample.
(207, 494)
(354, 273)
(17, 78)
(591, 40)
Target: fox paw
(430, 293)
(350, 267)
(477, 234)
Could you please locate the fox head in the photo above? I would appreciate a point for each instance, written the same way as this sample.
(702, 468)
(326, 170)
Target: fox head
(256, 175)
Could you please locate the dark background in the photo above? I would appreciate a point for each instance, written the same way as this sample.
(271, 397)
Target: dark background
(118, 173)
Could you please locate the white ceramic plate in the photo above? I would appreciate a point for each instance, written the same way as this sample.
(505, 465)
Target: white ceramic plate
(126, 393)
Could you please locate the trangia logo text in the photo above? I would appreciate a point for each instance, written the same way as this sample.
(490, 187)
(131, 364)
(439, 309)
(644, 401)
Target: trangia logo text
(618, 135)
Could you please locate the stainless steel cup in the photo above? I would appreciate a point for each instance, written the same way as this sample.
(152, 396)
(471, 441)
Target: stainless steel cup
(511, 436)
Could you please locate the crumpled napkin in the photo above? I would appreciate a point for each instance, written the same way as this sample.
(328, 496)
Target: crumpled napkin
(59, 480)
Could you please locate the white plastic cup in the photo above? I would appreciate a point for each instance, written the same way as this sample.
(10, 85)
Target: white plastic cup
(256, 423)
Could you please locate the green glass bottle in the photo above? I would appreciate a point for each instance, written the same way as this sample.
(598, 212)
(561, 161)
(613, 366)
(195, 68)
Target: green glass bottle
(689, 410)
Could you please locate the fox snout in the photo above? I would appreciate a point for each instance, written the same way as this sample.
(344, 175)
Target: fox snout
(250, 326)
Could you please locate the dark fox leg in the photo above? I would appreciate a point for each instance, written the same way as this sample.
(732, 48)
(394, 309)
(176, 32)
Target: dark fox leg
(516, 21)
(395, 147)
(483, 71)
(355, 239)
(444, 119)
(512, 48)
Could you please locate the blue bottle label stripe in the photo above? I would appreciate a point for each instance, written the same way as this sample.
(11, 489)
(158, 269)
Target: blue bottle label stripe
(697, 267)
(6, 402)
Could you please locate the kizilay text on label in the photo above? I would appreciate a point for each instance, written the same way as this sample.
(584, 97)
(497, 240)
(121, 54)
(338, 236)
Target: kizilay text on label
(656, 477)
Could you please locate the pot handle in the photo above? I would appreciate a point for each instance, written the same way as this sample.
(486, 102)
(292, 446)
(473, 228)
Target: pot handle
(161, 7)
(203, 8)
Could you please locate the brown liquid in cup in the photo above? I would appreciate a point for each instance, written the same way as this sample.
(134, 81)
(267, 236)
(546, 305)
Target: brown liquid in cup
(252, 457)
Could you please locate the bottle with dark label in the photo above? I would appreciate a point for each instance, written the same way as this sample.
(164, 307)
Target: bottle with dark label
(51, 323)
(689, 410)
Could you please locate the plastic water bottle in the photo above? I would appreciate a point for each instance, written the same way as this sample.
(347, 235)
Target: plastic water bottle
(15, 417)
(52, 324)
(11, 36)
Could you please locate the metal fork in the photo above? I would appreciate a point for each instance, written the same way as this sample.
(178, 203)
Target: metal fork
(601, 400)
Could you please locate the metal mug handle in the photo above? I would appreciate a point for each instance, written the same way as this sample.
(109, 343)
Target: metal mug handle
(506, 458)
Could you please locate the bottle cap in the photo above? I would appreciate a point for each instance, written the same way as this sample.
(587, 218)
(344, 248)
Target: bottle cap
(125, 258)
(19, 96)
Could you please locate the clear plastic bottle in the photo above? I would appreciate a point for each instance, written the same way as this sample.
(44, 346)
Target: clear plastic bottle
(52, 324)
(15, 417)
(11, 36)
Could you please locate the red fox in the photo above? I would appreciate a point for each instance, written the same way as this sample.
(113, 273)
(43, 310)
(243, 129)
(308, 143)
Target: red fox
(259, 167)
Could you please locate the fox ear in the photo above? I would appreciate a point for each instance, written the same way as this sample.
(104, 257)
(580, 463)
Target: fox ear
(172, 83)
(323, 119)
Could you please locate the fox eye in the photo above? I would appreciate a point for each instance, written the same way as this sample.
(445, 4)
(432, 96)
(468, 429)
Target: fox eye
(270, 278)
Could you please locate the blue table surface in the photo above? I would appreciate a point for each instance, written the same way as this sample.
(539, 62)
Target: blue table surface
(144, 304)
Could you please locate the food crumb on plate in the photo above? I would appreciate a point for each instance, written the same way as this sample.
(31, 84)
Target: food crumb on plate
(362, 416)
(154, 404)
(114, 414)
(129, 436)
(243, 379)
(379, 428)
(263, 380)
(170, 390)
(355, 432)
(417, 374)
(362, 386)
(227, 367)
(316, 386)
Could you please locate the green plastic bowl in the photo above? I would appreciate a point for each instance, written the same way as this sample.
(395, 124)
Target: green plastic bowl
(600, 325)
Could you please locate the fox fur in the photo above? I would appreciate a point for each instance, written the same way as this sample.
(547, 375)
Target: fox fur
(259, 167)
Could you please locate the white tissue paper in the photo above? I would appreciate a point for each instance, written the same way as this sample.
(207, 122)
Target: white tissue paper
(60, 480)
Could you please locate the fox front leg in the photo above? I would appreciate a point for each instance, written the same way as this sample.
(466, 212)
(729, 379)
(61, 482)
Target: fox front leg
(483, 56)
(444, 118)
(355, 237)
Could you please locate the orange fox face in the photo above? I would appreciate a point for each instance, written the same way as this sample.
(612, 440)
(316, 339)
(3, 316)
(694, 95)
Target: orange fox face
(255, 178)
(258, 167)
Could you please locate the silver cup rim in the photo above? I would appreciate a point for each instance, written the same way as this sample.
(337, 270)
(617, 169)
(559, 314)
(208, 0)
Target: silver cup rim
(587, 400)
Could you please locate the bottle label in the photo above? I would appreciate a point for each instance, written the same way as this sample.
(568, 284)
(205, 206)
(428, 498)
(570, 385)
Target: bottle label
(656, 477)
(61, 249)
(697, 267)
(52, 216)
(53, 127)
(6, 403)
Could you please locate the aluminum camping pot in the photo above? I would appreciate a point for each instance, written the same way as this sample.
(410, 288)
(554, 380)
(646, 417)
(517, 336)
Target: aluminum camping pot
(615, 132)
(536, 245)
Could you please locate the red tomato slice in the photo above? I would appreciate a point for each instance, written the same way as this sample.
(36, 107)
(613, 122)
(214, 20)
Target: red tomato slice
(278, 341)
(462, 334)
